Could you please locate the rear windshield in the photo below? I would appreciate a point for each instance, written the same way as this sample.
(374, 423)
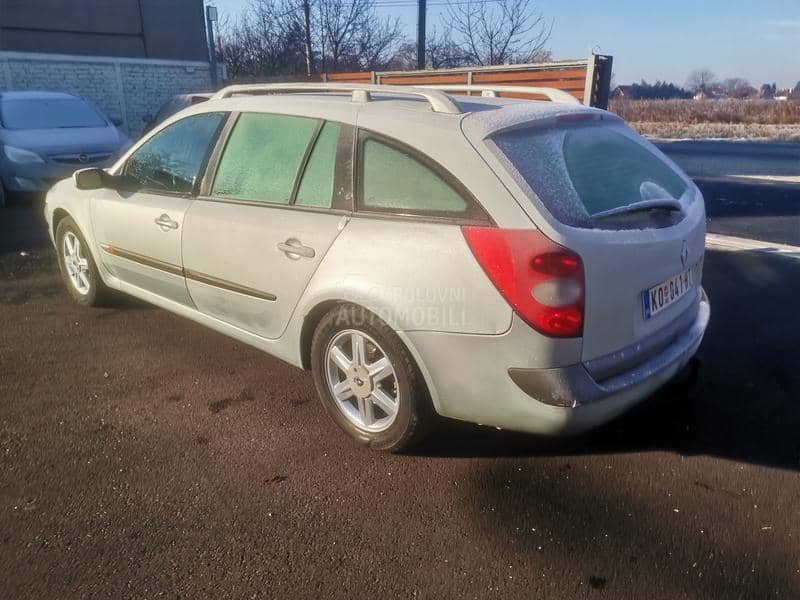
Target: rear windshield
(48, 113)
(586, 169)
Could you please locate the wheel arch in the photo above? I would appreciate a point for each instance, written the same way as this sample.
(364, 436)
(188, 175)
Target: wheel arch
(310, 322)
(58, 215)
(316, 314)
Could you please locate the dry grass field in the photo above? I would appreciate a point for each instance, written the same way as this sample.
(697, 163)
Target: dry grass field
(712, 119)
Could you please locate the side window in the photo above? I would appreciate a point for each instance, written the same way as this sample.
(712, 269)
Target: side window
(316, 187)
(263, 156)
(393, 180)
(171, 160)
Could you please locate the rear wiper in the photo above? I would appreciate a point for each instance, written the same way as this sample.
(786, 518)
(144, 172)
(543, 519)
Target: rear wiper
(667, 204)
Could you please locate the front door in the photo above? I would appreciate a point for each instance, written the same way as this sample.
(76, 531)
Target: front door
(139, 228)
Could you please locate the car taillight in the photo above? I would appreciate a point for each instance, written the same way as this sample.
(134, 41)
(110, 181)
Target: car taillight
(542, 281)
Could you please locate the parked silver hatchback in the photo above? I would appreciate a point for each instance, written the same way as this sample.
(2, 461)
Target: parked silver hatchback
(529, 265)
(46, 136)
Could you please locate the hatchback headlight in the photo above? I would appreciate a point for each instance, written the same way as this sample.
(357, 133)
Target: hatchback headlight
(21, 156)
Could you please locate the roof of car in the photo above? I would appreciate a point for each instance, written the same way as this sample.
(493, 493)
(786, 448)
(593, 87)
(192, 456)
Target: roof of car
(485, 114)
(35, 95)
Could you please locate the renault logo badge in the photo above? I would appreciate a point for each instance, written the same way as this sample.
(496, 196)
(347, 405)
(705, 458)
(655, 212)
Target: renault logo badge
(685, 254)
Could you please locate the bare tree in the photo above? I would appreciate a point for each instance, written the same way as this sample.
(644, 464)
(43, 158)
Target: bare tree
(736, 87)
(230, 49)
(266, 40)
(700, 80)
(290, 37)
(376, 43)
(441, 52)
(352, 36)
(502, 32)
(338, 20)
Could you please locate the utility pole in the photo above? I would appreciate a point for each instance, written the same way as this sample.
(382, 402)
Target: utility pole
(211, 18)
(421, 10)
(307, 36)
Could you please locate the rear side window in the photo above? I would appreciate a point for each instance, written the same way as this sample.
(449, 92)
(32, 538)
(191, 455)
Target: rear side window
(263, 156)
(396, 181)
(583, 170)
(316, 187)
(171, 160)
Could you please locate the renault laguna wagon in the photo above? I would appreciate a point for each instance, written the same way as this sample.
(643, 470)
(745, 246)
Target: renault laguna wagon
(528, 265)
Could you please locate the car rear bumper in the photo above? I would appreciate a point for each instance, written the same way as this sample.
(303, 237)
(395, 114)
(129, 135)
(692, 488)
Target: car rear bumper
(560, 400)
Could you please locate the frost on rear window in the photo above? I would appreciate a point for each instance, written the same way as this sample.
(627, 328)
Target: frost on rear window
(583, 170)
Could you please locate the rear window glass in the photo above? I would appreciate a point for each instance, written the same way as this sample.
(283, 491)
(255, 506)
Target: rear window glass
(49, 113)
(584, 170)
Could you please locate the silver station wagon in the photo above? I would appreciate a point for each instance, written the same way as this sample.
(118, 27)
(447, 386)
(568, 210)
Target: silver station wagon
(529, 265)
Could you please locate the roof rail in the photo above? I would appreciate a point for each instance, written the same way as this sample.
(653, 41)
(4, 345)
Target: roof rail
(439, 101)
(555, 95)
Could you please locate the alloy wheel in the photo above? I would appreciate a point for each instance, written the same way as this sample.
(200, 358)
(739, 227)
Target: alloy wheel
(76, 263)
(362, 380)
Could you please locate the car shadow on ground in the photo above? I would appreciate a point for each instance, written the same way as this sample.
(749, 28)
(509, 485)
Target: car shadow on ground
(743, 404)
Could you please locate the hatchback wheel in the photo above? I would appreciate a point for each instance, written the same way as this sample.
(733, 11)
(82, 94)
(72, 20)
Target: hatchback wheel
(78, 269)
(368, 381)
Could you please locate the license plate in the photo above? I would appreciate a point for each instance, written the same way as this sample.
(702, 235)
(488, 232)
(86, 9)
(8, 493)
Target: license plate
(660, 296)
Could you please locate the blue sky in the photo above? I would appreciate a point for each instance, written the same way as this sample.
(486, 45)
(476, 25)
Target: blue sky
(665, 39)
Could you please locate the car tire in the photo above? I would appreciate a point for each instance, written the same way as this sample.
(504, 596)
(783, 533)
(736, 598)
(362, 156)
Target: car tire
(78, 270)
(356, 393)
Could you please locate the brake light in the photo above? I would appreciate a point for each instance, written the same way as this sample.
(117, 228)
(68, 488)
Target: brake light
(542, 281)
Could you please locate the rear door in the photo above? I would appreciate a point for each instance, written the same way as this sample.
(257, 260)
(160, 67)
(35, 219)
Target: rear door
(277, 201)
(634, 219)
(139, 228)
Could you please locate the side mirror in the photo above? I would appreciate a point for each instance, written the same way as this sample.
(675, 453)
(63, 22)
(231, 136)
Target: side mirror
(90, 179)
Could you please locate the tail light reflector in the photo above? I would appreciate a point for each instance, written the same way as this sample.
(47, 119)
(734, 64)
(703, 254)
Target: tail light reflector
(541, 280)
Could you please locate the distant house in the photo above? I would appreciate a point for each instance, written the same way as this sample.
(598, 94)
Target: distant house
(715, 92)
(623, 91)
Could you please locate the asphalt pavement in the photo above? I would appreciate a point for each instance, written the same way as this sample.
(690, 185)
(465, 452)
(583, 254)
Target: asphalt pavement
(726, 158)
(751, 189)
(143, 456)
(762, 211)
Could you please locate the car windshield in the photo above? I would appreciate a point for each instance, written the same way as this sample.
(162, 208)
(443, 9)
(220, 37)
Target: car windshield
(588, 170)
(48, 113)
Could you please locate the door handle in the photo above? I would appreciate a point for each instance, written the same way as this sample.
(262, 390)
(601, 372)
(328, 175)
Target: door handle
(294, 249)
(166, 223)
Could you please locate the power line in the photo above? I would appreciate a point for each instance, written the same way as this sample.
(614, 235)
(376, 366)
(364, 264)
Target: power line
(400, 3)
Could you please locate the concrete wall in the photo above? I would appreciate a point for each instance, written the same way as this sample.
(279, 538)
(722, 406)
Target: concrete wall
(121, 87)
(167, 29)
